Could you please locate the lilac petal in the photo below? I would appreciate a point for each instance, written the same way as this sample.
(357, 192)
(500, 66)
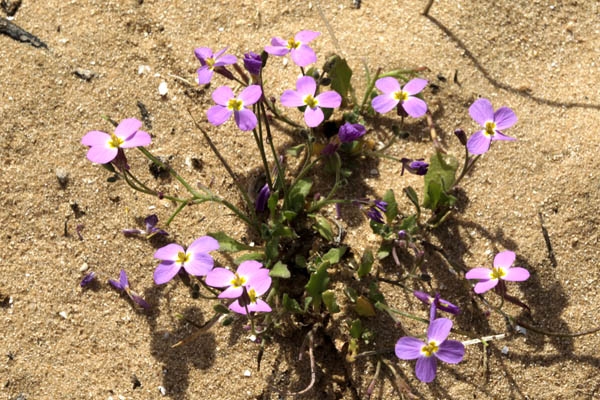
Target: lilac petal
(95, 138)
(219, 277)
(165, 272)
(482, 111)
(116, 284)
(259, 306)
(204, 75)
(291, 98)
(504, 118)
(249, 268)
(415, 86)
(303, 56)
(140, 138)
(217, 115)
(408, 348)
(202, 53)
(199, 265)
(123, 279)
(219, 53)
(203, 244)
(517, 274)
(504, 259)
(169, 252)
(330, 99)
(479, 273)
(101, 154)
(232, 292)
(484, 286)
(306, 85)
(426, 368)
(501, 136)
(414, 107)
(306, 36)
(127, 127)
(87, 279)
(250, 95)
(139, 300)
(313, 116)
(451, 351)
(439, 330)
(245, 119)
(150, 221)
(236, 307)
(479, 143)
(132, 231)
(260, 283)
(227, 59)
(222, 95)
(387, 85)
(276, 50)
(384, 103)
(448, 307)
(424, 297)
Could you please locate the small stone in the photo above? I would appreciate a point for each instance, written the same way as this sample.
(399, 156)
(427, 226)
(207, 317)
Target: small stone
(520, 329)
(162, 390)
(63, 314)
(285, 62)
(374, 172)
(142, 69)
(84, 74)
(504, 350)
(84, 267)
(63, 176)
(163, 89)
(247, 373)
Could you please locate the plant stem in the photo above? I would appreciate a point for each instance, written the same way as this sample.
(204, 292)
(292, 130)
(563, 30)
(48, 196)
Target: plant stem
(177, 211)
(258, 137)
(466, 168)
(370, 86)
(261, 106)
(333, 190)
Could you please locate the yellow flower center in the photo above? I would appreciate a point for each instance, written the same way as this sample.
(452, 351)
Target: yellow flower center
(401, 95)
(490, 128)
(497, 273)
(292, 44)
(115, 141)
(210, 62)
(430, 348)
(235, 104)
(252, 295)
(238, 281)
(311, 101)
(182, 257)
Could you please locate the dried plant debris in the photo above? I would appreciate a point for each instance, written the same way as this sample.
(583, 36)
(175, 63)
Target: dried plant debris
(16, 32)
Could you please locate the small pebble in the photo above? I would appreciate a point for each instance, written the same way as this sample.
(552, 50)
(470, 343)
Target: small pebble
(84, 267)
(285, 62)
(162, 390)
(521, 330)
(142, 69)
(504, 350)
(163, 89)
(247, 373)
(374, 172)
(63, 314)
(63, 176)
(84, 74)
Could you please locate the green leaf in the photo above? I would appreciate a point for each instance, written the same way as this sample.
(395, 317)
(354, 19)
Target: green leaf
(439, 179)
(334, 255)
(220, 308)
(412, 196)
(324, 228)
(366, 263)
(364, 308)
(340, 75)
(289, 215)
(356, 328)
(392, 207)
(250, 256)
(295, 150)
(228, 244)
(409, 224)
(227, 321)
(298, 194)
(329, 301)
(351, 294)
(384, 250)
(280, 270)
(300, 260)
(374, 294)
(317, 284)
(271, 249)
(291, 305)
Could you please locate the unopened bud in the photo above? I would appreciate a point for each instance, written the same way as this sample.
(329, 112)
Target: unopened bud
(462, 136)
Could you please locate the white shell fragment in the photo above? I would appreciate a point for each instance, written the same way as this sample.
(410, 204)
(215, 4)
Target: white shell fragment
(163, 89)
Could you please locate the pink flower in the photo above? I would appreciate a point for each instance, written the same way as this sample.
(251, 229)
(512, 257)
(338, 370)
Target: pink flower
(104, 147)
(195, 260)
(228, 104)
(483, 113)
(502, 270)
(304, 95)
(211, 61)
(301, 53)
(394, 94)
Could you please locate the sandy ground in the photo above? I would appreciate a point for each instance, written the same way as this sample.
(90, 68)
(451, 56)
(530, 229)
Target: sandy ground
(541, 58)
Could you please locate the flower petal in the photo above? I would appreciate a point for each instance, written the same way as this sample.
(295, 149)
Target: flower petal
(140, 138)
(414, 107)
(101, 154)
(139, 300)
(250, 95)
(303, 56)
(123, 281)
(291, 98)
(451, 351)
(245, 119)
(169, 252)
(504, 259)
(165, 272)
(504, 118)
(306, 85)
(227, 59)
(484, 286)
(439, 330)
(482, 111)
(219, 277)
(306, 36)
(424, 297)
(260, 282)
(95, 138)
(414, 86)
(387, 85)
(426, 368)
(203, 244)
(517, 274)
(384, 103)
(231, 292)
(222, 95)
(313, 116)
(408, 348)
(127, 127)
(278, 48)
(217, 115)
(479, 143)
(204, 75)
(116, 284)
(479, 273)
(219, 53)
(501, 136)
(249, 268)
(199, 265)
(202, 53)
(235, 307)
(330, 99)
(259, 306)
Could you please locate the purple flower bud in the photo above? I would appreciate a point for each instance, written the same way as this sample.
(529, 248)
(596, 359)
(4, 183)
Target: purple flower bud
(402, 235)
(263, 197)
(350, 132)
(417, 167)
(329, 149)
(375, 215)
(88, 279)
(462, 136)
(253, 63)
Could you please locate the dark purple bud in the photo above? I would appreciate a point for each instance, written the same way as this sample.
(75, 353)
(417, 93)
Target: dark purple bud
(253, 63)
(338, 211)
(88, 279)
(262, 199)
(317, 196)
(380, 204)
(402, 236)
(329, 149)
(225, 72)
(375, 215)
(350, 132)
(150, 221)
(400, 111)
(462, 136)
(161, 195)
(244, 299)
(418, 167)
(120, 161)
